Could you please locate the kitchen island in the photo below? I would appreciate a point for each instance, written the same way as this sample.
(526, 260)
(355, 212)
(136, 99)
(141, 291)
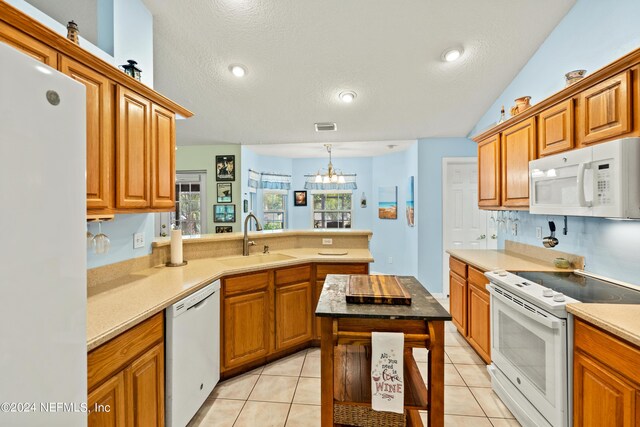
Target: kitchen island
(345, 362)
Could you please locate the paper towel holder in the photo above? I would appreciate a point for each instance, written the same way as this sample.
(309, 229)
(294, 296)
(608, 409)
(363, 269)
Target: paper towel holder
(170, 264)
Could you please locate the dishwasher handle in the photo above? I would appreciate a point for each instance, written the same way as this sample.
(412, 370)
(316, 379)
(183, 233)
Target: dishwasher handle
(201, 303)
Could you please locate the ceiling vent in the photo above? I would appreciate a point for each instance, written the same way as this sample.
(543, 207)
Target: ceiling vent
(323, 127)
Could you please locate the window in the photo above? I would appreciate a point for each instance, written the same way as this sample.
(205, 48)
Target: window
(190, 213)
(332, 209)
(274, 209)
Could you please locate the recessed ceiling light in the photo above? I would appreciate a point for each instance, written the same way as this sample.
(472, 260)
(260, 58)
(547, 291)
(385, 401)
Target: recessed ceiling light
(238, 70)
(452, 54)
(348, 96)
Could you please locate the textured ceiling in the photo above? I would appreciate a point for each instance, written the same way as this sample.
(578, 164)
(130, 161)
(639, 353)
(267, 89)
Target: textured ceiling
(301, 53)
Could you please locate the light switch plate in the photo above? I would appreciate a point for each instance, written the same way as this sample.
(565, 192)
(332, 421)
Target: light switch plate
(327, 241)
(538, 232)
(138, 240)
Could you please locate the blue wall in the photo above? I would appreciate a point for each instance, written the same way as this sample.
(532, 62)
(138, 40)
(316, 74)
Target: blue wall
(120, 232)
(431, 151)
(593, 34)
(301, 215)
(394, 239)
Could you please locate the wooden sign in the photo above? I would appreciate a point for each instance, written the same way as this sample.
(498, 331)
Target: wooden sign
(364, 289)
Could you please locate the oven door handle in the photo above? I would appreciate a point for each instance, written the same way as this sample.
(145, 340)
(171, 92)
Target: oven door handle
(549, 323)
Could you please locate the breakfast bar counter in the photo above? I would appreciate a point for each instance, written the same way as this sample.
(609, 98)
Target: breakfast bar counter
(345, 352)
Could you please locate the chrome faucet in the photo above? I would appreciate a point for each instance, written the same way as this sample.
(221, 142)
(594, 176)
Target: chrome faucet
(246, 242)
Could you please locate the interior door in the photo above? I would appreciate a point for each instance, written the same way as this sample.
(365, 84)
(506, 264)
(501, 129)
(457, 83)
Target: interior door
(464, 224)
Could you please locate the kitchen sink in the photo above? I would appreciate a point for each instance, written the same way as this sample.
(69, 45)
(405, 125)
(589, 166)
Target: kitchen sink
(244, 261)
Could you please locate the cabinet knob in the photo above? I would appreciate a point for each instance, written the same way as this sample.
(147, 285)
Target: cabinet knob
(482, 237)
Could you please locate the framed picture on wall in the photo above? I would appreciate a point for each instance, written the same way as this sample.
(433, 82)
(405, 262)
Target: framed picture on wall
(388, 202)
(224, 229)
(225, 168)
(300, 198)
(224, 192)
(224, 213)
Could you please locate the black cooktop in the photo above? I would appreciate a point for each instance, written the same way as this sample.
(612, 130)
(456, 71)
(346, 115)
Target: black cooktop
(584, 289)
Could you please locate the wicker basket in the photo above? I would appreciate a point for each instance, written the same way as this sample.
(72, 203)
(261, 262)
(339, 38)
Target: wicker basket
(364, 416)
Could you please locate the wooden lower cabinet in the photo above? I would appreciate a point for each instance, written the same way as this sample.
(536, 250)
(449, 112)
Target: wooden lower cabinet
(470, 306)
(126, 378)
(293, 314)
(606, 379)
(246, 328)
(458, 302)
(144, 380)
(478, 316)
(107, 403)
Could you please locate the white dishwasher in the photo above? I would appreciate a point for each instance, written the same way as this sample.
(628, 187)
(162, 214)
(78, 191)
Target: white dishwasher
(193, 353)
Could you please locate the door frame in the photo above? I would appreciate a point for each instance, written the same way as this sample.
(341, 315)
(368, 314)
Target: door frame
(446, 163)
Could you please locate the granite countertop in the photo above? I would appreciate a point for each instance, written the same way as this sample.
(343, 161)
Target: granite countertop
(491, 259)
(423, 306)
(619, 319)
(115, 306)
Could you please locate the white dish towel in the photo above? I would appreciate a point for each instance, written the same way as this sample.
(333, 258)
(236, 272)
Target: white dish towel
(387, 376)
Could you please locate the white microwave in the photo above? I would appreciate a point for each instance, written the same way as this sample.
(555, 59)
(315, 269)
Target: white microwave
(600, 181)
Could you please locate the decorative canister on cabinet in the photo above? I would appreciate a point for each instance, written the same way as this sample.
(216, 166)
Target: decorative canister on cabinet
(131, 69)
(73, 33)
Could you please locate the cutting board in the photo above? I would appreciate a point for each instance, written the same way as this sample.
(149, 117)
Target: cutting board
(365, 289)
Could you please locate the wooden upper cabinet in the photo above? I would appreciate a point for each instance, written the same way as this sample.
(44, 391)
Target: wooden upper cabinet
(100, 138)
(518, 148)
(555, 129)
(163, 157)
(605, 109)
(133, 151)
(489, 172)
(28, 45)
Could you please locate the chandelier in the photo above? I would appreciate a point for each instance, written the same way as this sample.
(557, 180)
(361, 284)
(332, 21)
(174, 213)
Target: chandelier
(332, 175)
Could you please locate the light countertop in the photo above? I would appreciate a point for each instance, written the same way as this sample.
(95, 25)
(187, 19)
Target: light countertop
(489, 259)
(115, 306)
(619, 319)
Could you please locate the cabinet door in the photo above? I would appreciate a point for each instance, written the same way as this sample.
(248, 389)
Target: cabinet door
(489, 172)
(293, 314)
(478, 320)
(132, 149)
(458, 302)
(600, 397)
(163, 158)
(28, 45)
(518, 148)
(246, 328)
(107, 403)
(605, 109)
(555, 129)
(100, 137)
(144, 380)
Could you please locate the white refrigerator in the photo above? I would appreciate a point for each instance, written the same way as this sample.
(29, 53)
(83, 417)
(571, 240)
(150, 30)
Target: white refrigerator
(43, 358)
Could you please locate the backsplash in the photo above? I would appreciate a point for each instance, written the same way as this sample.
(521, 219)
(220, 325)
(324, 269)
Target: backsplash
(120, 232)
(611, 248)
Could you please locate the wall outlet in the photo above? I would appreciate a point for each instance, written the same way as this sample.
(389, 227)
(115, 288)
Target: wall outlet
(390, 260)
(538, 232)
(327, 241)
(138, 240)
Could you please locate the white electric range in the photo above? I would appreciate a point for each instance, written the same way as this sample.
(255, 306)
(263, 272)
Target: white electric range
(532, 339)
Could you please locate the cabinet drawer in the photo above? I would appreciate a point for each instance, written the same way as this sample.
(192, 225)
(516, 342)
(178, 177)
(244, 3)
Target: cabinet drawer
(246, 283)
(324, 269)
(293, 275)
(114, 355)
(613, 352)
(458, 267)
(478, 278)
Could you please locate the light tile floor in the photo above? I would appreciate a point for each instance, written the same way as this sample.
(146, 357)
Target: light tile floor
(287, 392)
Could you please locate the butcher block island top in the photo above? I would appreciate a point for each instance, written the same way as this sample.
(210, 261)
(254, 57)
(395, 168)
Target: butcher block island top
(346, 354)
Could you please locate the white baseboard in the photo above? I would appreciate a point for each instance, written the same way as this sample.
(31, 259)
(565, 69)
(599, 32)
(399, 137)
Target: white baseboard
(438, 295)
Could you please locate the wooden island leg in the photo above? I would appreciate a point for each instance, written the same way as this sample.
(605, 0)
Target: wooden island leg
(435, 367)
(326, 371)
